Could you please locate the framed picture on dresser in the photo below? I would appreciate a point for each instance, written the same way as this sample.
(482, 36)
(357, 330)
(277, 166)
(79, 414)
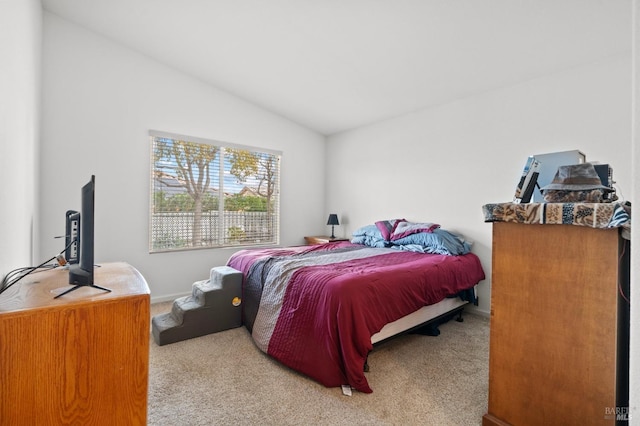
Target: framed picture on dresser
(528, 181)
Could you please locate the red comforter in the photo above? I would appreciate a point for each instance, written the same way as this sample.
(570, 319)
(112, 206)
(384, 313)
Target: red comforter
(315, 308)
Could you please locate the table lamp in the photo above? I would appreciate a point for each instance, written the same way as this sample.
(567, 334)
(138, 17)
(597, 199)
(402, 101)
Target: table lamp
(333, 221)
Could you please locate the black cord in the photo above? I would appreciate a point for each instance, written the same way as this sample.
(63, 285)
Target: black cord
(14, 276)
(6, 284)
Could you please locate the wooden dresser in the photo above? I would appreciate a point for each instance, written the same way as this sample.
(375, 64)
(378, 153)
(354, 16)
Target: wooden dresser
(80, 359)
(555, 339)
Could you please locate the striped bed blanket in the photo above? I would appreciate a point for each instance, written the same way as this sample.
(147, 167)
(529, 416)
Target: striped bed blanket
(315, 308)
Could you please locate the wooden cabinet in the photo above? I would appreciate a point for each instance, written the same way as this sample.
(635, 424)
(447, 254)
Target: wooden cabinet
(554, 325)
(80, 359)
(322, 240)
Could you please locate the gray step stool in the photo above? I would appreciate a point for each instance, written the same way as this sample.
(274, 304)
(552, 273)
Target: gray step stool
(214, 305)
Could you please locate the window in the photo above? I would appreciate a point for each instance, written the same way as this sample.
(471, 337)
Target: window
(210, 194)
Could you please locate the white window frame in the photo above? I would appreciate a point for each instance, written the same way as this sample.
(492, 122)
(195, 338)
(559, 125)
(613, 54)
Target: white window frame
(219, 228)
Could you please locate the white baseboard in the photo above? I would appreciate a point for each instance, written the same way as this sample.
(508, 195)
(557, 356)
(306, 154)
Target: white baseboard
(475, 311)
(168, 298)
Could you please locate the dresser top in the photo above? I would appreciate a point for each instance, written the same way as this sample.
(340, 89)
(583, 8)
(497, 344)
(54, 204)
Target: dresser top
(37, 290)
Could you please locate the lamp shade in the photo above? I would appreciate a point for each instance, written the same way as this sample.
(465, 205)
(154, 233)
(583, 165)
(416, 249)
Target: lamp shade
(333, 219)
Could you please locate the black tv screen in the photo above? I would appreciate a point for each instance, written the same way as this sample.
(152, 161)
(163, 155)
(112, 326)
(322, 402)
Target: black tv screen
(82, 273)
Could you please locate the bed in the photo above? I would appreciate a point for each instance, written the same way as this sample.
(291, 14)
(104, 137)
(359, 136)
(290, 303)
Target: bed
(319, 309)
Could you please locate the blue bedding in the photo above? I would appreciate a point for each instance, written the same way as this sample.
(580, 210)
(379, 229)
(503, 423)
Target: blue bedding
(437, 241)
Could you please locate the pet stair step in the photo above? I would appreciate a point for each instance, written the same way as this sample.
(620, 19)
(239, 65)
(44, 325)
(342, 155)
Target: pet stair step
(213, 306)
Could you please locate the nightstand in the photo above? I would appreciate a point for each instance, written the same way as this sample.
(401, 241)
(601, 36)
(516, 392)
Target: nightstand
(322, 240)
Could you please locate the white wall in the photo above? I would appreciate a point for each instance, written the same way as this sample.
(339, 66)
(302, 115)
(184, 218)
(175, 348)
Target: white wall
(99, 101)
(20, 51)
(443, 164)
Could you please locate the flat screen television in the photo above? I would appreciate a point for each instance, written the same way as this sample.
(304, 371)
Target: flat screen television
(81, 274)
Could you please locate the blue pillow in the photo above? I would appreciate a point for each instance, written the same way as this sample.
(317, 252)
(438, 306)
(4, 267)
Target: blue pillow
(439, 241)
(368, 230)
(369, 241)
(368, 235)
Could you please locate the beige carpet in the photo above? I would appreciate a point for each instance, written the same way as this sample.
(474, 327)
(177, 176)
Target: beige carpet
(223, 379)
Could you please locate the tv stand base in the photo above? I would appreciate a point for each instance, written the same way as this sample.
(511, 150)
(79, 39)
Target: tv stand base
(77, 286)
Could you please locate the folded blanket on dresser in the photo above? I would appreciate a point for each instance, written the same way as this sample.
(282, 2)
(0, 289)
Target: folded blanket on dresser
(595, 215)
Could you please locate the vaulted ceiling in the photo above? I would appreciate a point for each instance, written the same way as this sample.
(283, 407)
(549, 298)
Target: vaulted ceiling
(334, 65)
